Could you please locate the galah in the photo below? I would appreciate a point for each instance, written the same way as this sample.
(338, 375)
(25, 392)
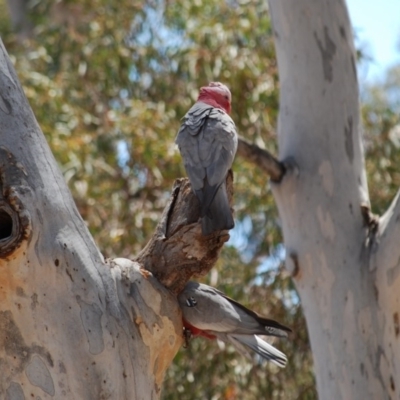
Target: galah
(209, 313)
(207, 140)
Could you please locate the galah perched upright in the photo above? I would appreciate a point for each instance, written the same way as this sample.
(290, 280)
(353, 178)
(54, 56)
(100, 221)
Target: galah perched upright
(208, 312)
(207, 140)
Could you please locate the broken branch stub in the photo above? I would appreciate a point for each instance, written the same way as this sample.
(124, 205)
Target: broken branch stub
(262, 158)
(178, 250)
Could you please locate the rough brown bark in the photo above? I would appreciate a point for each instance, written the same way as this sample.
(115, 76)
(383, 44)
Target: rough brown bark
(178, 250)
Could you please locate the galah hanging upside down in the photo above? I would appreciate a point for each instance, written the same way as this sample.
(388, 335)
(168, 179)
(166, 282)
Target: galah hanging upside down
(208, 312)
(207, 140)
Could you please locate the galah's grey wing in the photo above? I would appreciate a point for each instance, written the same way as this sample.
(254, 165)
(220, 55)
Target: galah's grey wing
(188, 139)
(188, 147)
(265, 326)
(219, 146)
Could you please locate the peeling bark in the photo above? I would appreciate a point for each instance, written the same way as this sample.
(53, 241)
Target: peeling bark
(344, 261)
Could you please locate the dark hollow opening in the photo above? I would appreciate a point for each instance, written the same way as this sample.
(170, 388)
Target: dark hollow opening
(6, 225)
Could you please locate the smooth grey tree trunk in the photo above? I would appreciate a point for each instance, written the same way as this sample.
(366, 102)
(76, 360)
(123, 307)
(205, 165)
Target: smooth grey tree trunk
(345, 262)
(72, 325)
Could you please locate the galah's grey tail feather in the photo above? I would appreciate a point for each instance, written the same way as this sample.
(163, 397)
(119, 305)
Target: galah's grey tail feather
(218, 215)
(206, 196)
(261, 347)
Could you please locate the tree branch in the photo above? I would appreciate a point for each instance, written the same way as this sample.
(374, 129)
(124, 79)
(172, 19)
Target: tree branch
(387, 253)
(178, 250)
(262, 158)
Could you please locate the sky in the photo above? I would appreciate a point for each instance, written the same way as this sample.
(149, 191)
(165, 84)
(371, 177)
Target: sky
(377, 28)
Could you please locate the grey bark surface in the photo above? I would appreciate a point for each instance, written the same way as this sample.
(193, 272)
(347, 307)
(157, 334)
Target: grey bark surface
(72, 325)
(344, 263)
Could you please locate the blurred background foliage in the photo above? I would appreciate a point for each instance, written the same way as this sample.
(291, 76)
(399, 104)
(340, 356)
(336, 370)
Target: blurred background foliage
(109, 81)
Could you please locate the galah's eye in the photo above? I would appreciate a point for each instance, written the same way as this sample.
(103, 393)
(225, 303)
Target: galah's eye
(191, 302)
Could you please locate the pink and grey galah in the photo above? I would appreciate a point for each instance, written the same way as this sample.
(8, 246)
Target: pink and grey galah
(209, 313)
(207, 141)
